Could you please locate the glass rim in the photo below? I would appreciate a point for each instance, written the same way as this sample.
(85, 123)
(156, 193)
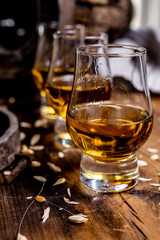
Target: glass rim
(74, 34)
(67, 33)
(44, 26)
(48, 24)
(73, 26)
(136, 50)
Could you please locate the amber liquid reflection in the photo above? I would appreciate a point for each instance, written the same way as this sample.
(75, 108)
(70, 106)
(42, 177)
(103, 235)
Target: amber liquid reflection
(108, 132)
(58, 90)
(40, 75)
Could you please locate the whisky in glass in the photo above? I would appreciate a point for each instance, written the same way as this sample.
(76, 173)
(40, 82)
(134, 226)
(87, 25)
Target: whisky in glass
(60, 77)
(114, 119)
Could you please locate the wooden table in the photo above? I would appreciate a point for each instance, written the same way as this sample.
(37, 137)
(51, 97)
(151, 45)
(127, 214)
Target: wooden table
(134, 214)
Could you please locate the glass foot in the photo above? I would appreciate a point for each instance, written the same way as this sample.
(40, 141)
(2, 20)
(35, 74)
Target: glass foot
(61, 134)
(64, 139)
(109, 176)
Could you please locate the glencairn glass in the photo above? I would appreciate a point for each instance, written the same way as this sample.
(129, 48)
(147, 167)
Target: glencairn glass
(42, 63)
(109, 115)
(60, 76)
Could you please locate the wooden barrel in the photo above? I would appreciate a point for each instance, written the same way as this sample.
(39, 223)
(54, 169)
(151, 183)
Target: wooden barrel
(111, 16)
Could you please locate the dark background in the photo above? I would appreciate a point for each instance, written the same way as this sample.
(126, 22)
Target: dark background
(18, 42)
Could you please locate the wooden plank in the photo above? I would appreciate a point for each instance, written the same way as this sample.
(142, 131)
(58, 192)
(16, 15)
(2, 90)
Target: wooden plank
(130, 215)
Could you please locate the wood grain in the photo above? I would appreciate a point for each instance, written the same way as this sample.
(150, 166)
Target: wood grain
(130, 215)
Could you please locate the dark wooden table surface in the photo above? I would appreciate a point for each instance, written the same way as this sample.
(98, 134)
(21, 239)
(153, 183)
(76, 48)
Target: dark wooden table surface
(134, 214)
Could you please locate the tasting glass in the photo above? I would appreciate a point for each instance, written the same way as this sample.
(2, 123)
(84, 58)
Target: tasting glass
(42, 63)
(109, 115)
(60, 76)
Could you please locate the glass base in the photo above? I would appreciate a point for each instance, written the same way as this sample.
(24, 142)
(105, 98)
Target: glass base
(110, 176)
(64, 139)
(61, 134)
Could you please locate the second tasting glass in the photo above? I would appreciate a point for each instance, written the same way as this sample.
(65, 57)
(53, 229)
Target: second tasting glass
(60, 76)
(109, 115)
(42, 64)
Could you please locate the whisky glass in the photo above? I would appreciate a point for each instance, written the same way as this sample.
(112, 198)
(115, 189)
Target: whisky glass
(60, 76)
(42, 63)
(109, 115)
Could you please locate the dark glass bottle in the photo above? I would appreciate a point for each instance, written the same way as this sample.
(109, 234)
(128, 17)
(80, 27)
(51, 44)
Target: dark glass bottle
(18, 42)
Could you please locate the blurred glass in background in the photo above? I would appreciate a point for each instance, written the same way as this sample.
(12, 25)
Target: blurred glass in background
(42, 64)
